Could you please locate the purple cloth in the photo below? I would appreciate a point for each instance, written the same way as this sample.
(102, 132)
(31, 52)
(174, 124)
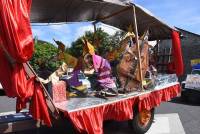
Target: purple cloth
(73, 81)
(103, 69)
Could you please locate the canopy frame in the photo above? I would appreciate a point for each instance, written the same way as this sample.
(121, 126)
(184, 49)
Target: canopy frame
(138, 47)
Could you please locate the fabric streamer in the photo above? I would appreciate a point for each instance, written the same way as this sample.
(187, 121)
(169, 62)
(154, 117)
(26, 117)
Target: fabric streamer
(17, 42)
(177, 64)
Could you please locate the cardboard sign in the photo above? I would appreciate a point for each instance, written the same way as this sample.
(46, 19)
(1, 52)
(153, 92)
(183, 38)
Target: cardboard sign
(192, 81)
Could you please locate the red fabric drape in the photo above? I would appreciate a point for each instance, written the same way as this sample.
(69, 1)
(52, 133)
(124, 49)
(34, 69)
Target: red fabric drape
(177, 64)
(16, 39)
(90, 120)
(155, 98)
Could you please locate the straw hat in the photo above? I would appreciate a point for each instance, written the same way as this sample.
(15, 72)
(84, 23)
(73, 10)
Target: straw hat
(87, 47)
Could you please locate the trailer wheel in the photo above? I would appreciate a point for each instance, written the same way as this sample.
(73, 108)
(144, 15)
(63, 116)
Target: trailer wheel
(142, 121)
(184, 96)
(193, 96)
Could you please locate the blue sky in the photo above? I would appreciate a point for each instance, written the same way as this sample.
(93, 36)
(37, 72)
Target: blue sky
(181, 13)
(66, 32)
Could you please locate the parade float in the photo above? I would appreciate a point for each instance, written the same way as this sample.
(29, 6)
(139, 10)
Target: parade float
(136, 100)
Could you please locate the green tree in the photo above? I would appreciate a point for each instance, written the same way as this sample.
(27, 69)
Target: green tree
(43, 61)
(106, 42)
(43, 57)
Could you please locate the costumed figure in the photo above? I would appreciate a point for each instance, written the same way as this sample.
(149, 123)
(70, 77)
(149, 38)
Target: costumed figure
(70, 60)
(75, 86)
(57, 88)
(55, 76)
(95, 64)
(128, 68)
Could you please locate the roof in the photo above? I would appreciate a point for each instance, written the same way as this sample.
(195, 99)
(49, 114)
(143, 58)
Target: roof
(180, 29)
(117, 13)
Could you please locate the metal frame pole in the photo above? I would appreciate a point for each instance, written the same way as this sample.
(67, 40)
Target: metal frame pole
(94, 36)
(138, 47)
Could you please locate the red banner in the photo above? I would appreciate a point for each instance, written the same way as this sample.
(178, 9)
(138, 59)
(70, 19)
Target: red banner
(16, 48)
(177, 65)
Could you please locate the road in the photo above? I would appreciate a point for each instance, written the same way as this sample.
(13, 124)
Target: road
(172, 117)
(188, 113)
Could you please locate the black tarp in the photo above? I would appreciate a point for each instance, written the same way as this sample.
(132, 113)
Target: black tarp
(55, 11)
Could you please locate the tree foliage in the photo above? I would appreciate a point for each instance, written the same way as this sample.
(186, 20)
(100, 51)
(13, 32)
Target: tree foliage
(43, 57)
(106, 42)
(43, 60)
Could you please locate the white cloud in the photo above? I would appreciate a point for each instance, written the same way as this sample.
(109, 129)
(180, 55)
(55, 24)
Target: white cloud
(56, 27)
(48, 32)
(60, 29)
(65, 40)
(67, 33)
(37, 32)
(81, 30)
(109, 29)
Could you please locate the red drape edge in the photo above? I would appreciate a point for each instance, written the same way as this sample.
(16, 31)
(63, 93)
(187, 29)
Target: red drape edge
(177, 64)
(16, 38)
(90, 120)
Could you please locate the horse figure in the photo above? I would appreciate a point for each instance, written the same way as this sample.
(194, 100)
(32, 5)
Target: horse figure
(128, 68)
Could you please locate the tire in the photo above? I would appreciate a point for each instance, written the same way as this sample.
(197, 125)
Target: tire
(2, 92)
(193, 96)
(136, 127)
(184, 96)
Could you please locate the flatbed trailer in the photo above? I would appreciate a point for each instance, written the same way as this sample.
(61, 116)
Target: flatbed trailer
(87, 114)
(90, 112)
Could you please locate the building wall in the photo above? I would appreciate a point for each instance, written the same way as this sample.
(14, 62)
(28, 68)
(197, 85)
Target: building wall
(190, 45)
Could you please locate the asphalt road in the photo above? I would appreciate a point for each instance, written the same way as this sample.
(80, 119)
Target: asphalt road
(7, 104)
(189, 117)
(188, 113)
